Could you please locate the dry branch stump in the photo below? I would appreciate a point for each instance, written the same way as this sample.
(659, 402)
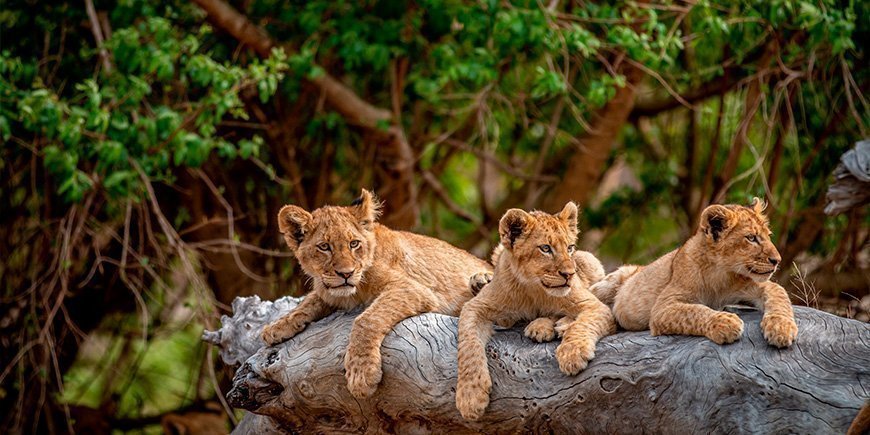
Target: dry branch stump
(636, 383)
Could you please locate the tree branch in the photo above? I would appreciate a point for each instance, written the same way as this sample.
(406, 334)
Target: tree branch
(665, 381)
(719, 86)
(98, 35)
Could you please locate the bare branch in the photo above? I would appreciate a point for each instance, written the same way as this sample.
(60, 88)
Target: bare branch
(98, 35)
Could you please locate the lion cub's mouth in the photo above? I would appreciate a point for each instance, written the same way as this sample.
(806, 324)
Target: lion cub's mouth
(341, 286)
(756, 272)
(555, 286)
(342, 290)
(557, 290)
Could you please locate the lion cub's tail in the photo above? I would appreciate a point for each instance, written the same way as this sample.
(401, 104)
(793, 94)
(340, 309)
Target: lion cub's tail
(606, 289)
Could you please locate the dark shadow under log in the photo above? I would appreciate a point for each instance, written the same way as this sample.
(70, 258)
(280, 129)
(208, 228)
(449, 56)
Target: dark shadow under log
(636, 383)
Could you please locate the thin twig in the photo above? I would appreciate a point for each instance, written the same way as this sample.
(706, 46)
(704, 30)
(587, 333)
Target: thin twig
(98, 35)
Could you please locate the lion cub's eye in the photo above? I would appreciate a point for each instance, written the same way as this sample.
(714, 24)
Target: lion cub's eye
(324, 247)
(545, 249)
(752, 238)
(354, 244)
(571, 249)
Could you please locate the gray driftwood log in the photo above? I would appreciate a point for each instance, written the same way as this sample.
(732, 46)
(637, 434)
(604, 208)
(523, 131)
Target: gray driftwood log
(636, 383)
(851, 186)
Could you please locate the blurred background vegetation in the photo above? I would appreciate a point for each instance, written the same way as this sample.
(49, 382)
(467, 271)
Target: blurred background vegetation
(149, 145)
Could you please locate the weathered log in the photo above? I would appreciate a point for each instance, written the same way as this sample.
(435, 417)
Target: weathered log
(851, 186)
(636, 383)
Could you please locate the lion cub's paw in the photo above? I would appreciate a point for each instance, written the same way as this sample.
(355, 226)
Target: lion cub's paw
(363, 374)
(541, 329)
(778, 330)
(562, 325)
(275, 333)
(725, 328)
(478, 281)
(573, 357)
(472, 398)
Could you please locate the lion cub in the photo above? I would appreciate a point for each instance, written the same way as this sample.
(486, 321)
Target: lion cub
(352, 261)
(729, 259)
(537, 275)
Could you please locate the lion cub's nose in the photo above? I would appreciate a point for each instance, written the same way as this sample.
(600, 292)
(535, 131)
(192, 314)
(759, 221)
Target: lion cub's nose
(566, 275)
(773, 260)
(344, 274)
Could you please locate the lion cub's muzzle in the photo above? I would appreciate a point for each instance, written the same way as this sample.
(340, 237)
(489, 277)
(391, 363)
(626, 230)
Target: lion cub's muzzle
(558, 285)
(761, 271)
(341, 284)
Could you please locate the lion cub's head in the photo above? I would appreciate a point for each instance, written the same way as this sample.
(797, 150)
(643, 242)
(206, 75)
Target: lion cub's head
(738, 237)
(334, 245)
(540, 247)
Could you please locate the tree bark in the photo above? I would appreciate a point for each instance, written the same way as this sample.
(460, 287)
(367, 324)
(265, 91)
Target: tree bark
(396, 158)
(586, 165)
(635, 383)
(851, 186)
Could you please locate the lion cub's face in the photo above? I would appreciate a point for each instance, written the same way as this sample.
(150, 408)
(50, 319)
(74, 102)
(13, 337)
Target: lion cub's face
(739, 238)
(334, 245)
(541, 245)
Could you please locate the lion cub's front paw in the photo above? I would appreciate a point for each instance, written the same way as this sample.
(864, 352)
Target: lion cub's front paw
(779, 330)
(473, 398)
(363, 374)
(725, 328)
(573, 357)
(478, 281)
(275, 333)
(541, 329)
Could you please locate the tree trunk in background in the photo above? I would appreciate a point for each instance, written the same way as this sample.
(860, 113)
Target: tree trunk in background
(395, 156)
(635, 382)
(754, 97)
(586, 165)
(805, 232)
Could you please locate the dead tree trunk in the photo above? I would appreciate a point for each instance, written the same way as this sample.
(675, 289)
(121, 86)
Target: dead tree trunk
(636, 382)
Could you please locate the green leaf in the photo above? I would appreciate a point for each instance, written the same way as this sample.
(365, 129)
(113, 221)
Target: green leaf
(118, 183)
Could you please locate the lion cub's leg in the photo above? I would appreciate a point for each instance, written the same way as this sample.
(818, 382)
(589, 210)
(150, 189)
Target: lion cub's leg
(593, 321)
(672, 317)
(589, 267)
(473, 383)
(562, 325)
(605, 289)
(478, 281)
(777, 325)
(362, 362)
(310, 309)
(542, 329)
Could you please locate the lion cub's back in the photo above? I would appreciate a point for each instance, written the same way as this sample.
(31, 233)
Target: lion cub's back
(440, 266)
(634, 301)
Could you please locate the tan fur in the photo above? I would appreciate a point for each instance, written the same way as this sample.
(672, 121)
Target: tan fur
(528, 284)
(681, 292)
(396, 274)
(861, 424)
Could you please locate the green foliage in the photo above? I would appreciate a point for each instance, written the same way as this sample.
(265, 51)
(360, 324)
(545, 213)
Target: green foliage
(165, 369)
(485, 92)
(104, 130)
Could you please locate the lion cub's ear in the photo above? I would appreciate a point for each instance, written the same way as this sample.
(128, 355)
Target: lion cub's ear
(512, 225)
(758, 205)
(292, 223)
(569, 215)
(714, 220)
(367, 208)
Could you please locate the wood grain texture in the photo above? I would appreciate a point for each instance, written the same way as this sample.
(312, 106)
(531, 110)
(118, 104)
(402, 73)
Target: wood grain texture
(636, 383)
